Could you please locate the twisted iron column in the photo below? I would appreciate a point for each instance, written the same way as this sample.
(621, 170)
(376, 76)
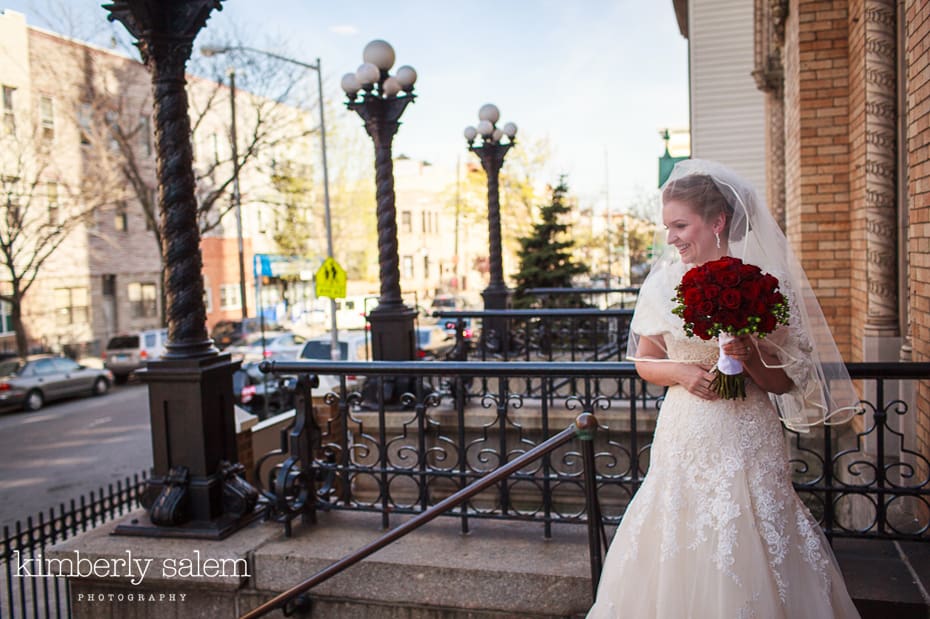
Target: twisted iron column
(495, 333)
(492, 159)
(194, 490)
(165, 32)
(391, 321)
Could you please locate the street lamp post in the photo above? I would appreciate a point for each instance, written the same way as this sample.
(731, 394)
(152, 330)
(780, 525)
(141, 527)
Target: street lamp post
(208, 50)
(491, 150)
(237, 196)
(380, 99)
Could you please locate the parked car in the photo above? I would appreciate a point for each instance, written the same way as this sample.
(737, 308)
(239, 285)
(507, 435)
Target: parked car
(447, 302)
(353, 346)
(351, 312)
(277, 345)
(225, 332)
(468, 328)
(37, 379)
(433, 342)
(260, 394)
(127, 353)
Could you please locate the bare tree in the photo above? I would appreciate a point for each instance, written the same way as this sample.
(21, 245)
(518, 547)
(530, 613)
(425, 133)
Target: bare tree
(522, 187)
(272, 132)
(39, 213)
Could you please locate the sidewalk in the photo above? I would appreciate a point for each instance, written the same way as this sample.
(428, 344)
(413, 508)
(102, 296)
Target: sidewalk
(886, 579)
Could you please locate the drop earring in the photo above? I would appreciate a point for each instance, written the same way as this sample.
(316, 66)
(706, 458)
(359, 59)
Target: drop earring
(717, 236)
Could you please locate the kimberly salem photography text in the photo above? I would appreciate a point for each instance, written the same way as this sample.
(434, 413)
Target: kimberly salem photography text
(133, 569)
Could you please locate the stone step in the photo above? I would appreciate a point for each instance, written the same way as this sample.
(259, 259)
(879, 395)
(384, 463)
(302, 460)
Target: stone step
(499, 569)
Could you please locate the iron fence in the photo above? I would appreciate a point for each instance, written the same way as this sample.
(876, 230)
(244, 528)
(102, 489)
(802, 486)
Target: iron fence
(862, 479)
(603, 298)
(539, 334)
(24, 591)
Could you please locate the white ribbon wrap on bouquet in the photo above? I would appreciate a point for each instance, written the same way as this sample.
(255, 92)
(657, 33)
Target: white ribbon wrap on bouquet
(726, 364)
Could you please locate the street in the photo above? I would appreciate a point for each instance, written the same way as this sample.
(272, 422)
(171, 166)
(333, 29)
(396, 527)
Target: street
(71, 447)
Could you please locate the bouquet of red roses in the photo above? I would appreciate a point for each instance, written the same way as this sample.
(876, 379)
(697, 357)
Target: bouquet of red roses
(724, 298)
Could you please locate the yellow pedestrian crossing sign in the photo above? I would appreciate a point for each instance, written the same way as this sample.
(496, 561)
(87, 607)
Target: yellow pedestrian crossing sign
(331, 280)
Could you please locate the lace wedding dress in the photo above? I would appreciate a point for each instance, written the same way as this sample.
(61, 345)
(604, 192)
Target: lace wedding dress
(716, 530)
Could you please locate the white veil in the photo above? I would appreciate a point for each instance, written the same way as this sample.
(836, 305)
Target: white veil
(823, 392)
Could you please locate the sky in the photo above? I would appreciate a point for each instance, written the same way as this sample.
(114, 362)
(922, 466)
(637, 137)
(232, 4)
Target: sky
(598, 79)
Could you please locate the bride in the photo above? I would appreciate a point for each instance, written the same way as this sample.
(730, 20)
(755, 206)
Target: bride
(716, 530)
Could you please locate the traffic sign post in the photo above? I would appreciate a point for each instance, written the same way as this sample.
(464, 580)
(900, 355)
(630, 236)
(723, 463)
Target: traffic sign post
(330, 282)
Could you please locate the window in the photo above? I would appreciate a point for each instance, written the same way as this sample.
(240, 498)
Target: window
(52, 196)
(207, 296)
(406, 221)
(47, 118)
(153, 204)
(229, 297)
(109, 285)
(408, 267)
(63, 365)
(425, 267)
(120, 219)
(85, 114)
(9, 120)
(145, 135)
(216, 148)
(44, 367)
(143, 300)
(6, 318)
(13, 215)
(70, 306)
(424, 216)
(114, 129)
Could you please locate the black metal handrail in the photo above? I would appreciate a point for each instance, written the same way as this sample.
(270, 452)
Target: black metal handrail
(865, 479)
(583, 429)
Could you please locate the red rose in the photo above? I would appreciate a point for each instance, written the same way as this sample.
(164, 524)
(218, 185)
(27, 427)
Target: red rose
(759, 309)
(711, 292)
(706, 308)
(727, 319)
(768, 324)
(769, 282)
(747, 271)
(730, 298)
(693, 296)
(701, 329)
(751, 289)
(729, 279)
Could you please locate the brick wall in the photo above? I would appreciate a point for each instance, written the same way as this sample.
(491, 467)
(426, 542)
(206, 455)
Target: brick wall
(817, 154)
(918, 151)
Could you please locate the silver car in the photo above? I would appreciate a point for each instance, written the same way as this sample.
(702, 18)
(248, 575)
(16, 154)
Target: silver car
(35, 380)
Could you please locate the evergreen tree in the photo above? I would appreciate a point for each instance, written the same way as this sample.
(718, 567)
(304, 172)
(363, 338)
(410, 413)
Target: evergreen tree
(545, 255)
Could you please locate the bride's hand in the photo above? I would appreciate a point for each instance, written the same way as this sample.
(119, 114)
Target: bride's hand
(742, 348)
(697, 381)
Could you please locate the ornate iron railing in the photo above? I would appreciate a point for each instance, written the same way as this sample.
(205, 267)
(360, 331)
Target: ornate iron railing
(862, 479)
(604, 298)
(583, 428)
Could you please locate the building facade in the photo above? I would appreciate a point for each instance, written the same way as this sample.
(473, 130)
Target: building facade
(727, 111)
(79, 116)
